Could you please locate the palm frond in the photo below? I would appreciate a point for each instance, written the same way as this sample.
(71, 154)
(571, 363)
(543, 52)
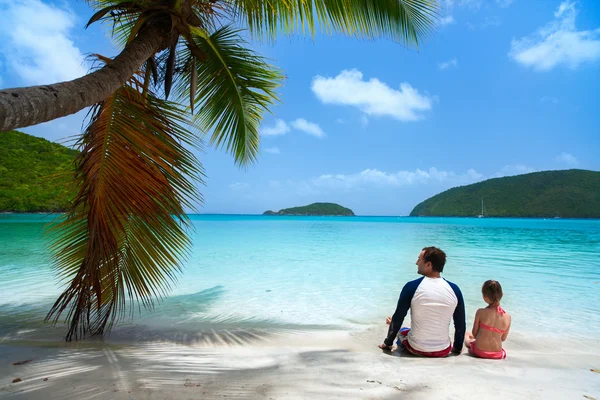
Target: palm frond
(126, 17)
(234, 88)
(125, 236)
(406, 21)
(170, 68)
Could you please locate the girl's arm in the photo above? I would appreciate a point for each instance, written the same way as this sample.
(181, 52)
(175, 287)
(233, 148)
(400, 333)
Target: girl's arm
(505, 334)
(475, 329)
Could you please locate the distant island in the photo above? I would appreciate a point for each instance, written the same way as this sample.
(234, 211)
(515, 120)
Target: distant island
(315, 209)
(571, 193)
(35, 174)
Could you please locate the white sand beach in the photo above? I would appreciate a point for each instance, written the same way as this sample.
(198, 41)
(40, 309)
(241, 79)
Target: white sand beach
(291, 365)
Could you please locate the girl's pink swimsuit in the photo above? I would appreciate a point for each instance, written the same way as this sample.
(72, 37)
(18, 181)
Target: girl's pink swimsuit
(497, 355)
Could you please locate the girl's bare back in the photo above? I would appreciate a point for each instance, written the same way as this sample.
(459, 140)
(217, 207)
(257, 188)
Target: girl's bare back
(491, 328)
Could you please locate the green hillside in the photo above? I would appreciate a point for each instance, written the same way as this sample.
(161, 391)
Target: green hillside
(318, 209)
(34, 173)
(571, 193)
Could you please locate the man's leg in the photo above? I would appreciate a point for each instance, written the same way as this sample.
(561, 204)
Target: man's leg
(402, 335)
(434, 354)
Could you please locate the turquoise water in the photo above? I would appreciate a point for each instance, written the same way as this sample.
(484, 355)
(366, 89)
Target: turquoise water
(312, 272)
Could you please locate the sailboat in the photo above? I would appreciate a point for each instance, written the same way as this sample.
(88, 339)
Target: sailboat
(557, 215)
(481, 215)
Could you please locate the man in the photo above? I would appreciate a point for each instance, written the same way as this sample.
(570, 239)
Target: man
(433, 301)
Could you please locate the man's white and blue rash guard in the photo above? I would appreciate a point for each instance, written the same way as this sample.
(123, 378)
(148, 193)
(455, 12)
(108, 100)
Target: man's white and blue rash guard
(432, 302)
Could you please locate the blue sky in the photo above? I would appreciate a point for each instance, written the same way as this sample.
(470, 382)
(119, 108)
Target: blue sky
(502, 87)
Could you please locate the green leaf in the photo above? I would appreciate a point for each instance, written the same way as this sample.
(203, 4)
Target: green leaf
(193, 83)
(170, 67)
(126, 234)
(235, 88)
(406, 21)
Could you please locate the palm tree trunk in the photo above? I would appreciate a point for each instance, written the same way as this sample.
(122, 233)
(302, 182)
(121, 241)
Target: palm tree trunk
(32, 105)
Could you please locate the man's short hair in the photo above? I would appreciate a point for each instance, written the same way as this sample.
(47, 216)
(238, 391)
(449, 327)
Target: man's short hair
(436, 257)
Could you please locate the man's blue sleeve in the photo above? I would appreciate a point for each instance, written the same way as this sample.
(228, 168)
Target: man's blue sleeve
(408, 291)
(460, 323)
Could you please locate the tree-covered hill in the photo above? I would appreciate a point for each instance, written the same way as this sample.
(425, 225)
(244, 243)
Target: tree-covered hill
(34, 173)
(571, 193)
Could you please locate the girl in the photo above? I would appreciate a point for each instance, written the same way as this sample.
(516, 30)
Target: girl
(491, 325)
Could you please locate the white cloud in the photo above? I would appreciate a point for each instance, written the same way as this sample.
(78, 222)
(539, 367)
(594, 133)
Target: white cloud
(549, 99)
(504, 3)
(280, 128)
(474, 4)
(372, 180)
(448, 7)
(449, 4)
(567, 158)
(491, 21)
(448, 64)
(372, 97)
(274, 184)
(558, 43)
(308, 127)
(340, 121)
(374, 177)
(517, 169)
(301, 188)
(239, 186)
(36, 44)
(273, 150)
(364, 120)
(486, 23)
(447, 20)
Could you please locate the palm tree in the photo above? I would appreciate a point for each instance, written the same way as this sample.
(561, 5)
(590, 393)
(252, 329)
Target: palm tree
(124, 237)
